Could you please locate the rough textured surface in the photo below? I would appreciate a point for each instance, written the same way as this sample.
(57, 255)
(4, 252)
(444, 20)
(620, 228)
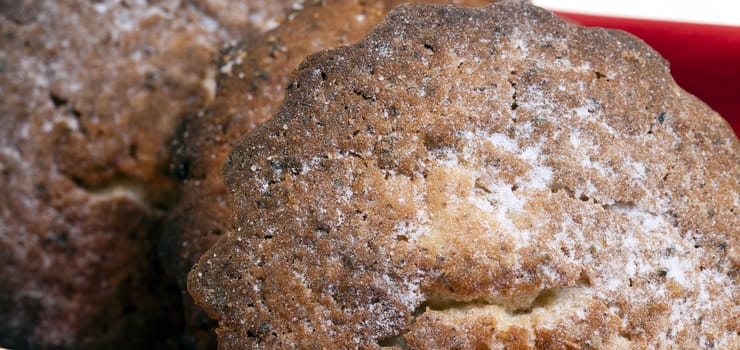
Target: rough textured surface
(91, 95)
(475, 179)
(251, 81)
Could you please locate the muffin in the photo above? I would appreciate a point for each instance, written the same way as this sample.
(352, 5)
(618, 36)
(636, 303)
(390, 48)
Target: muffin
(251, 81)
(92, 93)
(480, 179)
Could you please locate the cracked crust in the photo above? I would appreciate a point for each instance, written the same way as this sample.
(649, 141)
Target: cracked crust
(91, 94)
(251, 82)
(468, 179)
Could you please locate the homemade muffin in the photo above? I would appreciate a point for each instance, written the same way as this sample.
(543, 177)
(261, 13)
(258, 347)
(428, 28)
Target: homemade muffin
(92, 93)
(475, 179)
(251, 82)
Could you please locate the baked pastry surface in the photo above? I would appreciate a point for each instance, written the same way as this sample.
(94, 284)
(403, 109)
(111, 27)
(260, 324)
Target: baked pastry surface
(91, 95)
(480, 178)
(251, 83)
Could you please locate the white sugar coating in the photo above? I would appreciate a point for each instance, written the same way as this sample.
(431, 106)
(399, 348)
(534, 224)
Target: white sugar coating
(506, 143)
(677, 269)
(539, 178)
(481, 203)
(574, 140)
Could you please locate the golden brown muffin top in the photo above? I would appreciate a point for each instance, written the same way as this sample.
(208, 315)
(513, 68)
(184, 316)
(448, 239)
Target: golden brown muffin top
(251, 81)
(480, 178)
